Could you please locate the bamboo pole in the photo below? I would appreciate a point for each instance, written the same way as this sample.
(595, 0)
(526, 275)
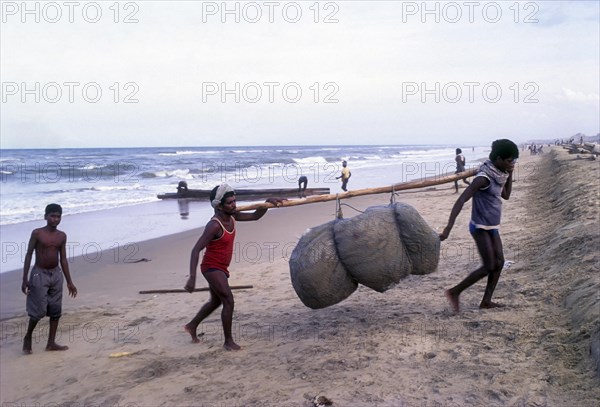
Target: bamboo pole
(181, 290)
(427, 182)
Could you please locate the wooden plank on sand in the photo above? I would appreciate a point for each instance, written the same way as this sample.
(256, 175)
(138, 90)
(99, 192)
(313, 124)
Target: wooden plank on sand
(181, 290)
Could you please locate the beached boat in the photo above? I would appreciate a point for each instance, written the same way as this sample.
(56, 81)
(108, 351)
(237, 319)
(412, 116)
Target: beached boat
(246, 193)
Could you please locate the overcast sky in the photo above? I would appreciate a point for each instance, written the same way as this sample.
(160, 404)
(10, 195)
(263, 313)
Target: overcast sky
(192, 73)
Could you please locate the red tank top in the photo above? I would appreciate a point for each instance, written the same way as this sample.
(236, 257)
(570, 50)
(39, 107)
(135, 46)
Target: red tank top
(219, 251)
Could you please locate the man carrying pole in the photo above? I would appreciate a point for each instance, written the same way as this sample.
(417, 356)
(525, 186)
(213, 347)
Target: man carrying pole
(218, 238)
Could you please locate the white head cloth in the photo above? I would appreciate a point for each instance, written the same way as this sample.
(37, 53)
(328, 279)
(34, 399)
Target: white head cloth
(221, 191)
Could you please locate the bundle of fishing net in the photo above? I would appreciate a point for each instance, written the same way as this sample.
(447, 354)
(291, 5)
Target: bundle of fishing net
(376, 248)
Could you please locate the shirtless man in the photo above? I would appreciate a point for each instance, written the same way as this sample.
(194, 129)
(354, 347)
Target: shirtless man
(218, 238)
(45, 285)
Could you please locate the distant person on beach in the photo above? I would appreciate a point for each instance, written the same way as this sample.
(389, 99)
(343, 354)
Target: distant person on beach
(44, 288)
(460, 167)
(492, 182)
(218, 238)
(345, 176)
(302, 184)
(182, 188)
(184, 206)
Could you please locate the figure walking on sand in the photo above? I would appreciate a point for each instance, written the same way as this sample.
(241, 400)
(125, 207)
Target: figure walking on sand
(460, 167)
(218, 238)
(492, 182)
(44, 287)
(345, 176)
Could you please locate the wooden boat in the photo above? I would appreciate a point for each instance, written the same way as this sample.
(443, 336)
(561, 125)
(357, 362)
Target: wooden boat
(246, 193)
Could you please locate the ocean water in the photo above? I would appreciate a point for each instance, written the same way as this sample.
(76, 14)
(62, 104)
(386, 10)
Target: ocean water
(111, 193)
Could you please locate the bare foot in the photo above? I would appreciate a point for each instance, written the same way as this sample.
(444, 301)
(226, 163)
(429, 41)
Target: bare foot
(453, 300)
(231, 345)
(27, 346)
(55, 347)
(491, 305)
(193, 334)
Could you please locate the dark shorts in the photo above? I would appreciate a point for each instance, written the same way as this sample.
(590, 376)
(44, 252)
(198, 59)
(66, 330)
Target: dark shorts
(45, 293)
(493, 232)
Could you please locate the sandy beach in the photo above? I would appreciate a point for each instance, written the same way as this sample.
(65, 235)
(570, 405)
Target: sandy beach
(400, 348)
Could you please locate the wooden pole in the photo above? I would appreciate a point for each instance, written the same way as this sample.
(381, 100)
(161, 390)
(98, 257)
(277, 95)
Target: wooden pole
(181, 290)
(427, 182)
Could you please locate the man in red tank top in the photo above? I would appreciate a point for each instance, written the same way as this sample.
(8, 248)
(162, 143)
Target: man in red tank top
(218, 238)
